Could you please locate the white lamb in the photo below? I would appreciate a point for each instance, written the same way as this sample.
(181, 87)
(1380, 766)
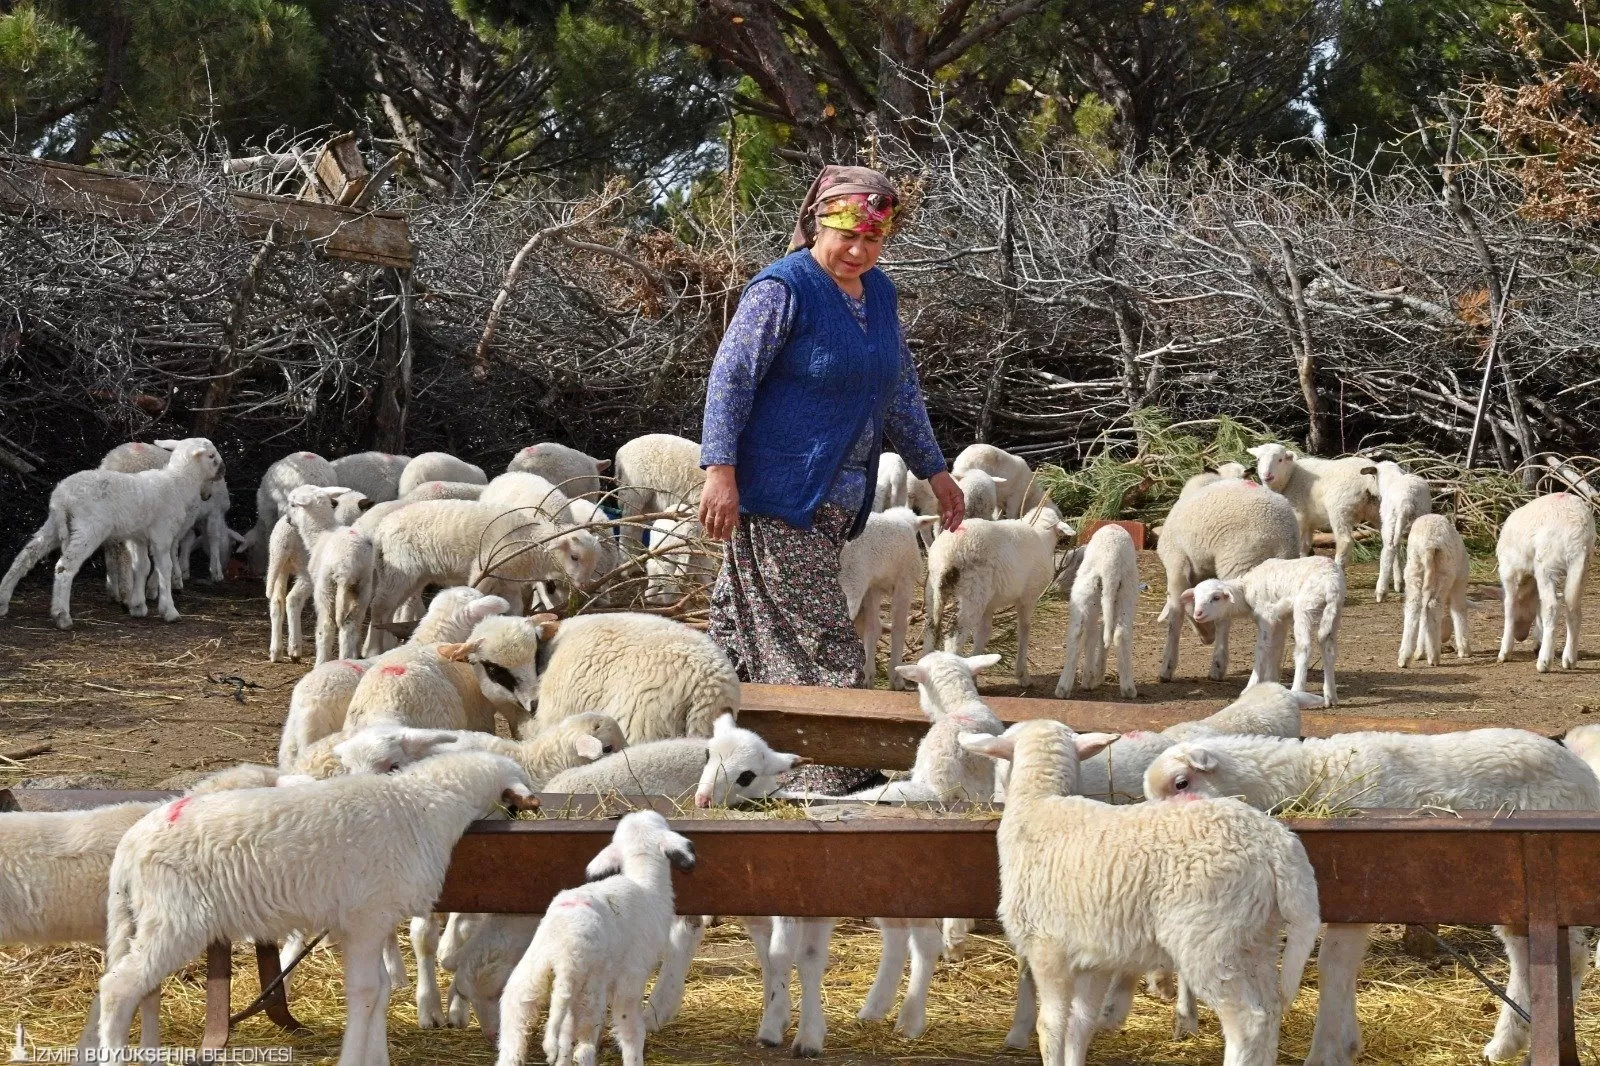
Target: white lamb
(1544, 550)
(1479, 769)
(272, 497)
(439, 466)
(575, 741)
(1222, 531)
(1402, 499)
(468, 542)
(986, 566)
(456, 686)
(727, 768)
(1327, 494)
(445, 490)
(146, 511)
(340, 571)
(884, 562)
(892, 484)
(308, 514)
(568, 469)
(1308, 591)
(1436, 577)
(1020, 491)
(981, 493)
(658, 678)
(128, 458)
(1207, 478)
(678, 566)
(1104, 598)
(206, 523)
(209, 528)
(376, 475)
(353, 855)
(598, 945)
(529, 492)
(657, 472)
(1091, 891)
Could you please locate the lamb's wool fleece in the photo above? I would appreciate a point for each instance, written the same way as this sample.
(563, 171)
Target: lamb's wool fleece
(1020, 493)
(1308, 591)
(721, 770)
(1207, 478)
(1437, 569)
(54, 867)
(1402, 499)
(354, 855)
(981, 493)
(986, 566)
(1221, 532)
(1544, 551)
(658, 678)
(884, 562)
(455, 542)
(599, 943)
(272, 496)
(892, 484)
(568, 469)
(1101, 605)
(1201, 888)
(531, 493)
(439, 466)
(376, 475)
(445, 490)
(1327, 494)
(657, 472)
(574, 741)
(1476, 769)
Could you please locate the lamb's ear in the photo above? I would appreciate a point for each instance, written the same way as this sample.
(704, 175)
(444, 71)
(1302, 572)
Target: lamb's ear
(1291, 456)
(365, 504)
(996, 747)
(167, 445)
(997, 480)
(589, 747)
(1064, 529)
(606, 864)
(459, 652)
(781, 762)
(927, 521)
(1092, 744)
(545, 625)
(421, 743)
(1199, 758)
(912, 672)
(602, 465)
(519, 798)
(678, 850)
(333, 492)
(976, 663)
(1257, 450)
(486, 607)
(1186, 596)
(723, 725)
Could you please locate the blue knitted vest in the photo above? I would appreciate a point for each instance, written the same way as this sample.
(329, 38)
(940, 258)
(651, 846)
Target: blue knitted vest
(817, 396)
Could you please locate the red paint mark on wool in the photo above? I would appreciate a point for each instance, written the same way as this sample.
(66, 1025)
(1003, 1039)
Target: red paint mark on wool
(176, 809)
(1136, 734)
(572, 903)
(393, 671)
(307, 455)
(357, 667)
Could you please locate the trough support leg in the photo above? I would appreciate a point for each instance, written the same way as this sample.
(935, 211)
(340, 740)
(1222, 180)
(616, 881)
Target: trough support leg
(1554, 1042)
(274, 998)
(219, 981)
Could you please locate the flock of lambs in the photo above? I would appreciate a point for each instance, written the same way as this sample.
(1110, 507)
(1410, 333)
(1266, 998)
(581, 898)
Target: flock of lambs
(386, 758)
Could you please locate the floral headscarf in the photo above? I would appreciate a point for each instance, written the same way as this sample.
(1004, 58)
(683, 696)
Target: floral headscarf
(855, 199)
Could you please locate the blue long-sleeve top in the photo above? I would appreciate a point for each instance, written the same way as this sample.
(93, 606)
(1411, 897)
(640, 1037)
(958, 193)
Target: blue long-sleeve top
(759, 330)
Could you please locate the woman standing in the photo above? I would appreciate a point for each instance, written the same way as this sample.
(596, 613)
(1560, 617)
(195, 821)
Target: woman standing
(812, 373)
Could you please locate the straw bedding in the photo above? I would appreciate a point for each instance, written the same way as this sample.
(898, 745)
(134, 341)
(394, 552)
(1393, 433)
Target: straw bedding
(1414, 1013)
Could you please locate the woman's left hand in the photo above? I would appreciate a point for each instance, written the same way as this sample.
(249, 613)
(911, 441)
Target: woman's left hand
(952, 504)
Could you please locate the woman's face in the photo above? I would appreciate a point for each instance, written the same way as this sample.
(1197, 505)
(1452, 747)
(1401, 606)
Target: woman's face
(846, 255)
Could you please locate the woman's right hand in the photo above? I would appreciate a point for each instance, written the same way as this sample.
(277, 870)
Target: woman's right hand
(719, 503)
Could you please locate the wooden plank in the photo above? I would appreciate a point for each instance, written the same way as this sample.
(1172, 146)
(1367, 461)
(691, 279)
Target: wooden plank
(879, 728)
(378, 237)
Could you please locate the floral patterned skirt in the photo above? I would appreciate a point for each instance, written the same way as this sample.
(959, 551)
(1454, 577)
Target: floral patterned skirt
(778, 610)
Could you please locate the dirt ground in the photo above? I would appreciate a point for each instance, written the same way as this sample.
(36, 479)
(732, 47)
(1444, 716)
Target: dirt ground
(141, 700)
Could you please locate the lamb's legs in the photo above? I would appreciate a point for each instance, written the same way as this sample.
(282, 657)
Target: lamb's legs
(1119, 1001)
(1169, 656)
(1024, 624)
(1460, 625)
(1087, 999)
(775, 972)
(1055, 982)
(137, 571)
(627, 1021)
(425, 946)
(295, 605)
(1330, 654)
(1573, 604)
(1508, 601)
(161, 559)
(1125, 684)
(134, 980)
(366, 995)
(1024, 1016)
(39, 545)
(1510, 1031)
(1386, 562)
(1185, 1013)
(1219, 653)
(810, 954)
(896, 936)
(899, 622)
(667, 994)
(1547, 619)
(1343, 535)
(926, 940)
(870, 628)
(74, 553)
(1069, 651)
(1336, 1039)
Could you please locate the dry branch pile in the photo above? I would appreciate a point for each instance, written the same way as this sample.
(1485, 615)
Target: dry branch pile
(1045, 296)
